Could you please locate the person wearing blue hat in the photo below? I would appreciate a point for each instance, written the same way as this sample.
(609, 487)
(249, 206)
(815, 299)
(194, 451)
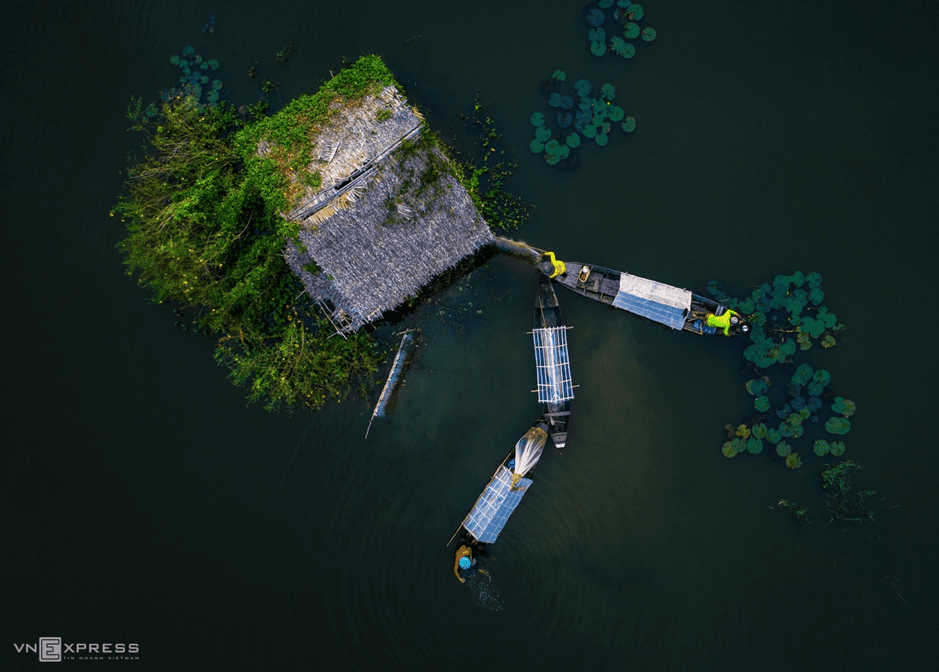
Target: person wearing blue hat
(464, 560)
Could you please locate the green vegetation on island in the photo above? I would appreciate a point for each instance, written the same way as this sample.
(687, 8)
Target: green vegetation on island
(206, 209)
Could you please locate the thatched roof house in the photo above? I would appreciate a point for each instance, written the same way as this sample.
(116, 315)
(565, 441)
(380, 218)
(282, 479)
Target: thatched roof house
(387, 216)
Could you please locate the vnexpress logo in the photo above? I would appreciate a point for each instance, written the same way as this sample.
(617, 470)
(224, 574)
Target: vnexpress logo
(52, 650)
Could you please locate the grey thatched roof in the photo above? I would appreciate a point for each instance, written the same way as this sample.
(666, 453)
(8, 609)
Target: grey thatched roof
(380, 238)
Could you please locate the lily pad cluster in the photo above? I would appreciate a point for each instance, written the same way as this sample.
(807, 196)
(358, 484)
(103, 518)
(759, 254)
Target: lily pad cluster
(786, 316)
(194, 78)
(563, 128)
(605, 35)
(801, 405)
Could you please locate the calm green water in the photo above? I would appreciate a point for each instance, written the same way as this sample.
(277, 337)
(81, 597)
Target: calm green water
(141, 501)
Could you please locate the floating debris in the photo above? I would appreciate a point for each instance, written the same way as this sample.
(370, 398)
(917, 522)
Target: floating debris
(397, 368)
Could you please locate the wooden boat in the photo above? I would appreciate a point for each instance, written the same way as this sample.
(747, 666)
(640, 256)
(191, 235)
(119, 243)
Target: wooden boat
(675, 307)
(554, 387)
(505, 489)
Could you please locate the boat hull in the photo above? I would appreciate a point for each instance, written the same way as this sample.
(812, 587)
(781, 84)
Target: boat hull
(547, 315)
(602, 284)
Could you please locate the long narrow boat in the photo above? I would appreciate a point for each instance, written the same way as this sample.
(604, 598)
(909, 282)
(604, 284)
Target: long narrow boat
(672, 306)
(552, 362)
(505, 489)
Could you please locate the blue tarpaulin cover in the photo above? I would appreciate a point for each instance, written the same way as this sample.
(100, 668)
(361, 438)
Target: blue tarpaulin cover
(654, 300)
(495, 505)
(552, 365)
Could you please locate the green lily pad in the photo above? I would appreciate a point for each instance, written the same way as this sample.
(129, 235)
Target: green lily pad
(793, 461)
(590, 131)
(602, 139)
(597, 34)
(821, 448)
(761, 404)
(838, 425)
(756, 387)
(773, 435)
(729, 450)
(635, 11)
(598, 48)
(616, 113)
(758, 430)
(608, 92)
(629, 124)
(583, 88)
(754, 445)
(537, 119)
(552, 147)
(648, 34)
(595, 17)
(552, 159)
(573, 140)
(836, 448)
(822, 377)
(631, 31)
(536, 146)
(543, 134)
(783, 449)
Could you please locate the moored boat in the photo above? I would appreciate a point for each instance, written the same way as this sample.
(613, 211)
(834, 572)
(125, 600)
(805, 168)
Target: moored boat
(672, 306)
(552, 362)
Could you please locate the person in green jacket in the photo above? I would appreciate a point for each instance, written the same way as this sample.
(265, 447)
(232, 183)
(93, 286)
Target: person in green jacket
(724, 321)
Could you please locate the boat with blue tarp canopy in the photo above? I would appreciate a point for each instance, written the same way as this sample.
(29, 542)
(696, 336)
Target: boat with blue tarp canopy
(552, 362)
(674, 307)
(505, 489)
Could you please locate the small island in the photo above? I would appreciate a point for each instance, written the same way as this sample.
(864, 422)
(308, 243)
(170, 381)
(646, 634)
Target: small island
(283, 236)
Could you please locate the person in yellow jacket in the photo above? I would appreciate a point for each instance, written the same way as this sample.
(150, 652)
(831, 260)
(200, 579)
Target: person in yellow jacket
(464, 560)
(724, 321)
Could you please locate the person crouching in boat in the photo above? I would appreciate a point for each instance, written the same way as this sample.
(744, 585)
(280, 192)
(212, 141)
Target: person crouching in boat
(729, 318)
(463, 561)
